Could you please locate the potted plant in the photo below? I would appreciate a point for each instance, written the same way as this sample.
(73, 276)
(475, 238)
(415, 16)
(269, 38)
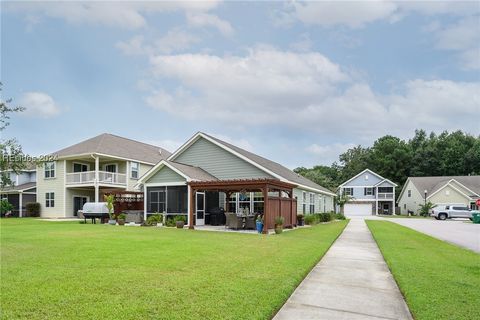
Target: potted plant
(180, 222)
(154, 219)
(279, 224)
(300, 220)
(121, 219)
(259, 223)
(109, 203)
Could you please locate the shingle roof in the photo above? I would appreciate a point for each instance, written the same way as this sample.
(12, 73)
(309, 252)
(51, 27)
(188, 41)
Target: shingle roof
(25, 186)
(195, 173)
(432, 184)
(113, 145)
(272, 166)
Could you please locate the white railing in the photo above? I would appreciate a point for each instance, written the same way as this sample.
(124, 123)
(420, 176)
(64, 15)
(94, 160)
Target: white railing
(88, 177)
(385, 196)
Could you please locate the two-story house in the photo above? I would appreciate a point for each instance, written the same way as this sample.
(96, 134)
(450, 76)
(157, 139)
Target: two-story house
(22, 190)
(83, 171)
(370, 194)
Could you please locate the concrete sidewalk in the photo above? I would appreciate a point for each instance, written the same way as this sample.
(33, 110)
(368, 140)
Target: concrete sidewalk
(352, 281)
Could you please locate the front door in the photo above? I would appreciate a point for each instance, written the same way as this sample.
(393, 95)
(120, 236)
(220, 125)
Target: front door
(386, 208)
(78, 203)
(200, 208)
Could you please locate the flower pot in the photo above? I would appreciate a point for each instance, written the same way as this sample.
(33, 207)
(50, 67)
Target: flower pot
(259, 225)
(180, 224)
(121, 222)
(301, 223)
(112, 222)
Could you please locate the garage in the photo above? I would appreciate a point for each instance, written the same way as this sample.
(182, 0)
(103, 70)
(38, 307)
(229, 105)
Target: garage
(358, 209)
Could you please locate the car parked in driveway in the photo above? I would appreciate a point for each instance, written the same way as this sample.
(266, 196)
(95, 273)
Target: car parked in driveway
(448, 211)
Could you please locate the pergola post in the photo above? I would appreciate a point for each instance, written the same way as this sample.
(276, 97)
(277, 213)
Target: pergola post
(191, 207)
(265, 209)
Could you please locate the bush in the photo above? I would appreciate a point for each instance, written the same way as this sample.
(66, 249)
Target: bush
(279, 220)
(121, 216)
(32, 209)
(325, 216)
(5, 206)
(310, 219)
(172, 221)
(339, 216)
(154, 219)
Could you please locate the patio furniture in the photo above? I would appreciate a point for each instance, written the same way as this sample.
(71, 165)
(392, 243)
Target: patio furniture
(217, 216)
(250, 222)
(233, 221)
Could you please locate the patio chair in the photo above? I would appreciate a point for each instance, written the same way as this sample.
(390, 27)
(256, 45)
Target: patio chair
(233, 221)
(250, 223)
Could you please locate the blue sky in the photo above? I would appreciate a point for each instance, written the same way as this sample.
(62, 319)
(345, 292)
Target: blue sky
(296, 82)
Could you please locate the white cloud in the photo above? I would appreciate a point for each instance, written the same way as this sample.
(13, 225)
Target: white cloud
(306, 91)
(200, 19)
(125, 14)
(39, 104)
(353, 14)
(303, 44)
(327, 154)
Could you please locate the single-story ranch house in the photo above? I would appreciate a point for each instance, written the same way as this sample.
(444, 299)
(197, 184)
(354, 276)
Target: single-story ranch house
(206, 174)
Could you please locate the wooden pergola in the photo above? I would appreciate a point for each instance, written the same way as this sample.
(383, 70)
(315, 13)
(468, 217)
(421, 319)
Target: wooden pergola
(282, 204)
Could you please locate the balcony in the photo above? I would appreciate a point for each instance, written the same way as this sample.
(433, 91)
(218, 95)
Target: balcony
(385, 196)
(88, 178)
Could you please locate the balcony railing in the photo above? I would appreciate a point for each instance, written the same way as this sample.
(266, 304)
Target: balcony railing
(385, 196)
(88, 177)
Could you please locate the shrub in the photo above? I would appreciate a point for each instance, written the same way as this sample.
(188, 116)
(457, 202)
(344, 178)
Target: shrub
(121, 216)
(154, 219)
(325, 217)
(339, 216)
(32, 209)
(5, 206)
(180, 218)
(311, 219)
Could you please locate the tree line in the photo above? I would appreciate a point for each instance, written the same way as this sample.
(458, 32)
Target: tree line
(446, 154)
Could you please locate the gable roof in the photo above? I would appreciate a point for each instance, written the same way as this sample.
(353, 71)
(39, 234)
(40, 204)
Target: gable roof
(188, 172)
(273, 168)
(116, 146)
(433, 184)
(382, 179)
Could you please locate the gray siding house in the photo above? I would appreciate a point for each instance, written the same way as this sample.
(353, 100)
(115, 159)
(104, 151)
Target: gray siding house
(204, 158)
(23, 189)
(370, 194)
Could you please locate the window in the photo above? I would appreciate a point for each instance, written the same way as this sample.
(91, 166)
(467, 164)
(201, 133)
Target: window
(258, 202)
(385, 189)
(157, 200)
(80, 167)
(49, 170)
(405, 206)
(304, 202)
(111, 168)
(244, 201)
(49, 199)
(348, 191)
(134, 168)
(409, 193)
(368, 191)
(312, 203)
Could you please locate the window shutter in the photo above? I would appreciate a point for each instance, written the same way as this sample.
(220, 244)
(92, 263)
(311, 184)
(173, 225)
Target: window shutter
(364, 191)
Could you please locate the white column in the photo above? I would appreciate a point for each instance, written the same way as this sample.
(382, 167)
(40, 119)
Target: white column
(127, 175)
(97, 169)
(20, 204)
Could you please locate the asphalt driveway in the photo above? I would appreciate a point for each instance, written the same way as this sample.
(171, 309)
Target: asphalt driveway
(460, 232)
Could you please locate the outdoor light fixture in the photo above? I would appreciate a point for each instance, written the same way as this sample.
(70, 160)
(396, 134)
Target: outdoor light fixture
(425, 198)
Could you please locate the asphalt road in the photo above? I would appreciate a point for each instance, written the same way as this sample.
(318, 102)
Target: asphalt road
(459, 231)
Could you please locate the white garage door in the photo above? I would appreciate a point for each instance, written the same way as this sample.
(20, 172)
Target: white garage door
(356, 209)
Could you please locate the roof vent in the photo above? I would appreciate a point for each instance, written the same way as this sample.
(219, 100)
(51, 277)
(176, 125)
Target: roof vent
(159, 151)
(366, 177)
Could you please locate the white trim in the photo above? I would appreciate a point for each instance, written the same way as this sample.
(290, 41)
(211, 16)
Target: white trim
(64, 187)
(386, 180)
(403, 188)
(451, 186)
(364, 171)
(159, 166)
(164, 184)
(301, 186)
(20, 204)
(463, 186)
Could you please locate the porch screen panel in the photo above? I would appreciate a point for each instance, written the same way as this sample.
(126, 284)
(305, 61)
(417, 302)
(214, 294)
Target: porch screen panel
(177, 199)
(156, 199)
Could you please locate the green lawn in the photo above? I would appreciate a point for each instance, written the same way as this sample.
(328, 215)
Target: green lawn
(439, 280)
(65, 270)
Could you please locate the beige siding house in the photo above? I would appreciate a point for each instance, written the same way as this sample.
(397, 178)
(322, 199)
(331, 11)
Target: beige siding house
(83, 171)
(439, 190)
(205, 158)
